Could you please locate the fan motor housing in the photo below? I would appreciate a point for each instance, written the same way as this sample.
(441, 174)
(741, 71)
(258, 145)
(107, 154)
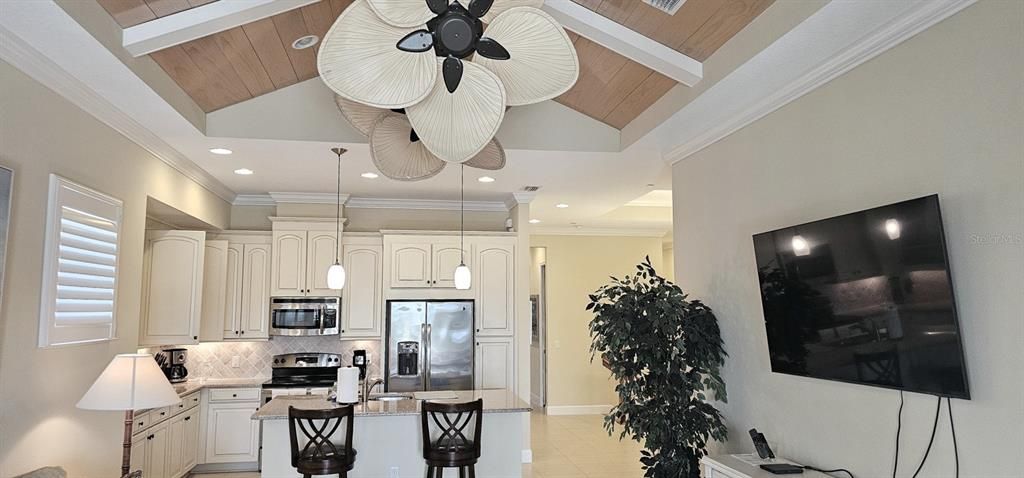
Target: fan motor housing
(456, 32)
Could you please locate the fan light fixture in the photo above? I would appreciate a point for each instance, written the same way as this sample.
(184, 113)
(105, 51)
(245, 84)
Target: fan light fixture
(336, 273)
(435, 61)
(463, 277)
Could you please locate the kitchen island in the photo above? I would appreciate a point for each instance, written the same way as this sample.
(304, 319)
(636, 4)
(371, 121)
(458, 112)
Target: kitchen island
(387, 436)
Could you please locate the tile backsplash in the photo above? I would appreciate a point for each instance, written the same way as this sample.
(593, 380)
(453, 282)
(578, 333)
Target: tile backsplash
(214, 359)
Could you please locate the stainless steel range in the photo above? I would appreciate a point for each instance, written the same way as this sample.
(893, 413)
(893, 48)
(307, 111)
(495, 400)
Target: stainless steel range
(311, 373)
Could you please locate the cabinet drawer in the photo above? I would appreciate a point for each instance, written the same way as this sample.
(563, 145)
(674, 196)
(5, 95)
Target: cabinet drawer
(187, 402)
(141, 422)
(234, 394)
(158, 415)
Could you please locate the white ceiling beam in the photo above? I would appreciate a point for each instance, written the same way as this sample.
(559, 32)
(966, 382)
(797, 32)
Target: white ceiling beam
(626, 42)
(205, 20)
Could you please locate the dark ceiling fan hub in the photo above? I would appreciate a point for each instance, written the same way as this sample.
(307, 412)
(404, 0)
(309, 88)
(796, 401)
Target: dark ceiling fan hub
(456, 32)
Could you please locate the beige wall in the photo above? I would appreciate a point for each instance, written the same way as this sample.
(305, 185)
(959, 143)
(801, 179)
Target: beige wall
(41, 133)
(942, 113)
(576, 267)
(369, 220)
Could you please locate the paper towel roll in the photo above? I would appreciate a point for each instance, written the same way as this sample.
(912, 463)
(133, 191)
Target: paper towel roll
(348, 385)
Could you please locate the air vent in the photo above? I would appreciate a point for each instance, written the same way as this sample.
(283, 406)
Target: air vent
(531, 189)
(668, 6)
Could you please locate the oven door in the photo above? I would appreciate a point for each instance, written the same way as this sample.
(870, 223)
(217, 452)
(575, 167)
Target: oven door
(305, 316)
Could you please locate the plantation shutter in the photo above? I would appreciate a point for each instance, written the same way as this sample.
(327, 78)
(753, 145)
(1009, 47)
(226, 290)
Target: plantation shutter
(80, 267)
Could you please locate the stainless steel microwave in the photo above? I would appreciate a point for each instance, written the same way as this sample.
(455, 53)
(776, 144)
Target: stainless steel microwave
(297, 316)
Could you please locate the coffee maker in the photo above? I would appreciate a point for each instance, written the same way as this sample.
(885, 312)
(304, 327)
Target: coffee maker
(172, 362)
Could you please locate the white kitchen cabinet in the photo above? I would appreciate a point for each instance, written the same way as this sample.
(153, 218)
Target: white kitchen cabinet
(153, 451)
(232, 436)
(420, 262)
(303, 250)
(172, 287)
(494, 285)
(254, 320)
(233, 291)
(289, 270)
(138, 453)
(362, 300)
(494, 363)
(215, 296)
(190, 447)
(176, 447)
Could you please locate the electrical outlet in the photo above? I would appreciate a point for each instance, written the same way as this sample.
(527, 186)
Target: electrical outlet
(393, 473)
(235, 361)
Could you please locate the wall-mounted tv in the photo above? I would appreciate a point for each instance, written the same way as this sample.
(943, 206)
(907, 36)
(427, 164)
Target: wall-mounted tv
(866, 298)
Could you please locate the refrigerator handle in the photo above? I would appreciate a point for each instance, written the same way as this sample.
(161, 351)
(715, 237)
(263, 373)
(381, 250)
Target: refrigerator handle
(427, 328)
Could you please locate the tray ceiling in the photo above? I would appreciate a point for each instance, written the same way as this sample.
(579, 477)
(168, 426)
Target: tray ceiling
(248, 61)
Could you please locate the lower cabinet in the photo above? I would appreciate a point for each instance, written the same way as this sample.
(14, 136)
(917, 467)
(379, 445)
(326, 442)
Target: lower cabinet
(168, 449)
(232, 436)
(494, 363)
(150, 450)
(183, 443)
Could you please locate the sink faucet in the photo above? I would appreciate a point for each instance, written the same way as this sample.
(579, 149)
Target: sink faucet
(368, 386)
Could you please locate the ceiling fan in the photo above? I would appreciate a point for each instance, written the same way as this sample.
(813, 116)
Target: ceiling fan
(451, 69)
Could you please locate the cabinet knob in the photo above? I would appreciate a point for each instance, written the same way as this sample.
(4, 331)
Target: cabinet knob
(243, 332)
(195, 337)
(234, 395)
(150, 437)
(188, 418)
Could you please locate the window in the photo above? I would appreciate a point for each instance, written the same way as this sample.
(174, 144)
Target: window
(79, 292)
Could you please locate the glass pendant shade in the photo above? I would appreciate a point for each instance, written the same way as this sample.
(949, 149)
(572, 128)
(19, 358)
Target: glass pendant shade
(336, 277)
(463, 277)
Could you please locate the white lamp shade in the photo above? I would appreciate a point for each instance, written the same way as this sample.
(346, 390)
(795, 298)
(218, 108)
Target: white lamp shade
(463, 277)
(336, 277)
(130, 382)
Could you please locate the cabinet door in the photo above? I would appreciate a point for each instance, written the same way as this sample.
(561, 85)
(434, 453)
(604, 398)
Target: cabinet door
(410, 265)
(138, 454)
(190, 449)
(215, 291)
(494, 366)
(232, 321)
(232, 436)
(362, 298)
(176, 447)
(323, 250)
(255, 321)
(156, 452)
(446, 257)
(495, 289)
(173, 288)
(288, 276)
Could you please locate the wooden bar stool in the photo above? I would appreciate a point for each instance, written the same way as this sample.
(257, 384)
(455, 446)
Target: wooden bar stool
(321, 453)
(451, 437)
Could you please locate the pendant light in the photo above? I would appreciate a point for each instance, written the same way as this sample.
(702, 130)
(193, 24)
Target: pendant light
(463, 277)
(336, 274)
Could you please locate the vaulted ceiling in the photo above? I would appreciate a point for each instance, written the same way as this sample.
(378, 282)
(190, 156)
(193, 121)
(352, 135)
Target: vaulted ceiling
(254, 59)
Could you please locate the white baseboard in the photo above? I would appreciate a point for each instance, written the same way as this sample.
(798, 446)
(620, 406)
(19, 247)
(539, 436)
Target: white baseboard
(578, 409)
(527, 456)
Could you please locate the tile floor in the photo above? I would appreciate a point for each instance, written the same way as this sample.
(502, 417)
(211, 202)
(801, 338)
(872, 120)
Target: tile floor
(563, 447)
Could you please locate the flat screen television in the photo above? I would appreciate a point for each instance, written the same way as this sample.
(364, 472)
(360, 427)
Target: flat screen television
(865, 298)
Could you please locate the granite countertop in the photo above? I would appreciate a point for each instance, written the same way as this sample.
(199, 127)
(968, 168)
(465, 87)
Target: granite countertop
(495, 401)
(193, 385)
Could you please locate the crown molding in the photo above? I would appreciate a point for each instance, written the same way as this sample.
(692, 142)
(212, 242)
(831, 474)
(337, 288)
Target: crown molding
(919, 17)
(520, 197)
(41, 68)
(253, 200)
(595, 231)
(425, 204)
(307, 198)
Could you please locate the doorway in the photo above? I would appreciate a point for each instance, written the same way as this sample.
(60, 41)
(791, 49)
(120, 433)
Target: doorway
(538, 327)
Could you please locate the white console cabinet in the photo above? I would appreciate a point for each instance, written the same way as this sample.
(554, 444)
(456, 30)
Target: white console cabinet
(732, 466)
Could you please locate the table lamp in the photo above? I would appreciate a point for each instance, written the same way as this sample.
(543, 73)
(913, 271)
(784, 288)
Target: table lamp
(130, 382)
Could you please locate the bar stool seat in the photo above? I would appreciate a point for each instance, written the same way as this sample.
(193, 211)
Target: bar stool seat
(321, 453)
(451, 436)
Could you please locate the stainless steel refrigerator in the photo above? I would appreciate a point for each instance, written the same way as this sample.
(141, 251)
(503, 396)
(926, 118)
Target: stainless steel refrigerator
(430, 345)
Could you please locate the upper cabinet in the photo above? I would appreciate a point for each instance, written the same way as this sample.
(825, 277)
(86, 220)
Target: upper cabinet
(236, 288)
(303, 251)
(494, 285)
(362, 299)
(419, 262)
(172, 297)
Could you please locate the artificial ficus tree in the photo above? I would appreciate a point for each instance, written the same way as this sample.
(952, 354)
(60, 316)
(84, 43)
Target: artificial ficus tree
(666, 353)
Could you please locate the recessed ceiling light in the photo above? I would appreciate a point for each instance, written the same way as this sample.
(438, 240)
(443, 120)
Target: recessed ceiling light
(220, 151)
(307, 41)
(561, 205)
(243, 172)
(534, 221)
(370, 175)
(485, 179)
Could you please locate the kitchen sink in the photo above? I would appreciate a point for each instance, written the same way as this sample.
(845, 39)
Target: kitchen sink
(390, 397)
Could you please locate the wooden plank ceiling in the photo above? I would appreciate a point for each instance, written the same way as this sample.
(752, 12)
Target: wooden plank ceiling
(245, 62)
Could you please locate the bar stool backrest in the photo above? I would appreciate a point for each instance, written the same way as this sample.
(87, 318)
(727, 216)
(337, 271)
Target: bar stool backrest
(452, 428)
(318, 429)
